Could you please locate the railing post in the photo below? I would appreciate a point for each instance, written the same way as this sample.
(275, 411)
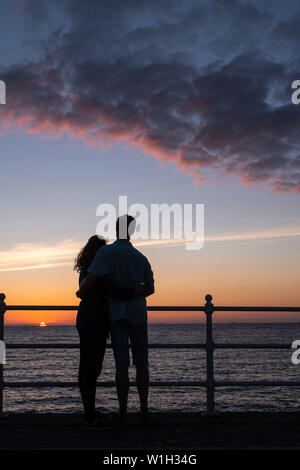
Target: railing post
(209, 347)
(2, 311)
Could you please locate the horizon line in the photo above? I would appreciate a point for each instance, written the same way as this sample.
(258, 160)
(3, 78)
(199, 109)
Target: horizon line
(166, 323)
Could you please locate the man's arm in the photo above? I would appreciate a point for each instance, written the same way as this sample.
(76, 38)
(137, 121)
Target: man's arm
(148, 289)
(86, 285)
(148, 284)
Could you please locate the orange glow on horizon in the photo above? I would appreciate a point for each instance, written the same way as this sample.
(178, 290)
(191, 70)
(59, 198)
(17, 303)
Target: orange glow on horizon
(181, 279)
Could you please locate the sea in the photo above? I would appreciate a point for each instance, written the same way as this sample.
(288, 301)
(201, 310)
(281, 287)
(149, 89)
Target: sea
(165, 365)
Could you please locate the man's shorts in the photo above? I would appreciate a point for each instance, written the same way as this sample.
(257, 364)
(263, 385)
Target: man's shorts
(122, 332)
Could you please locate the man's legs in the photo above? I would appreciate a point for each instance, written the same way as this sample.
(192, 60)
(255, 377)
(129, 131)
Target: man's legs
(139, 345)
(142, 383)
(120, 341)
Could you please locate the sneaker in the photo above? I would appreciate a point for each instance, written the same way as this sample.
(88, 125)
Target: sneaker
(97, 424)
(123, 421)
(146, 418)
(106, 417)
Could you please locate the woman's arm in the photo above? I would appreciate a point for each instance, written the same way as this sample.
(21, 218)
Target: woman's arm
(115, 291)
(112, 288)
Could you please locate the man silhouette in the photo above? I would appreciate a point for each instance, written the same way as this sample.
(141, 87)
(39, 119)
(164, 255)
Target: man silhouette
(126, 266)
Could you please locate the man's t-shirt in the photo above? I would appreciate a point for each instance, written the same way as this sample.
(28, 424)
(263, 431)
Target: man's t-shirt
(128, 267)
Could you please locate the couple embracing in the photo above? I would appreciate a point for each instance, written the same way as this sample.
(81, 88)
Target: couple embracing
(114, 282)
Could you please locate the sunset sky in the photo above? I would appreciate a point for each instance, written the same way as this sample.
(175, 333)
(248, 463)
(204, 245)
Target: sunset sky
(165, 102)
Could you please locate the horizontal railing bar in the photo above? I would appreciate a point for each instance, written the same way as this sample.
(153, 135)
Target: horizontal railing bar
(75, 307)
(223, 383)
(258, 383)
(154, 346)
(257, 309)
(163, 308)
(76, 346)
(252, 346)
(101, 384)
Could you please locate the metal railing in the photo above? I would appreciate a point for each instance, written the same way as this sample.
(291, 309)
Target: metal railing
(209, 347)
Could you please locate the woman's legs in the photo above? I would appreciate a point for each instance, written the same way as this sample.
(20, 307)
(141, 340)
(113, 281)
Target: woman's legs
(92, 350)
(122, 384)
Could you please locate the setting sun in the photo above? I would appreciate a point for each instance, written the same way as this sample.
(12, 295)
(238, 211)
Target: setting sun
(42, 323)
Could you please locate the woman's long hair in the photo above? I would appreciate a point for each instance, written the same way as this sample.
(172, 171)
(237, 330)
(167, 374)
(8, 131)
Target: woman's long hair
(88, 253)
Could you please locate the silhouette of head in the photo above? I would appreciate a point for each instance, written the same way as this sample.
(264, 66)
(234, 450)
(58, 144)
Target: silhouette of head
(125, 227)
(88, 252)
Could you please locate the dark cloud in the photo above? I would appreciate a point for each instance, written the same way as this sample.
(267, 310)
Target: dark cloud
(184, 80)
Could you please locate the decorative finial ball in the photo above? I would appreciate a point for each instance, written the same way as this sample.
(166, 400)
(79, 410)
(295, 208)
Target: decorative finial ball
(208, 298)
(2, 297)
